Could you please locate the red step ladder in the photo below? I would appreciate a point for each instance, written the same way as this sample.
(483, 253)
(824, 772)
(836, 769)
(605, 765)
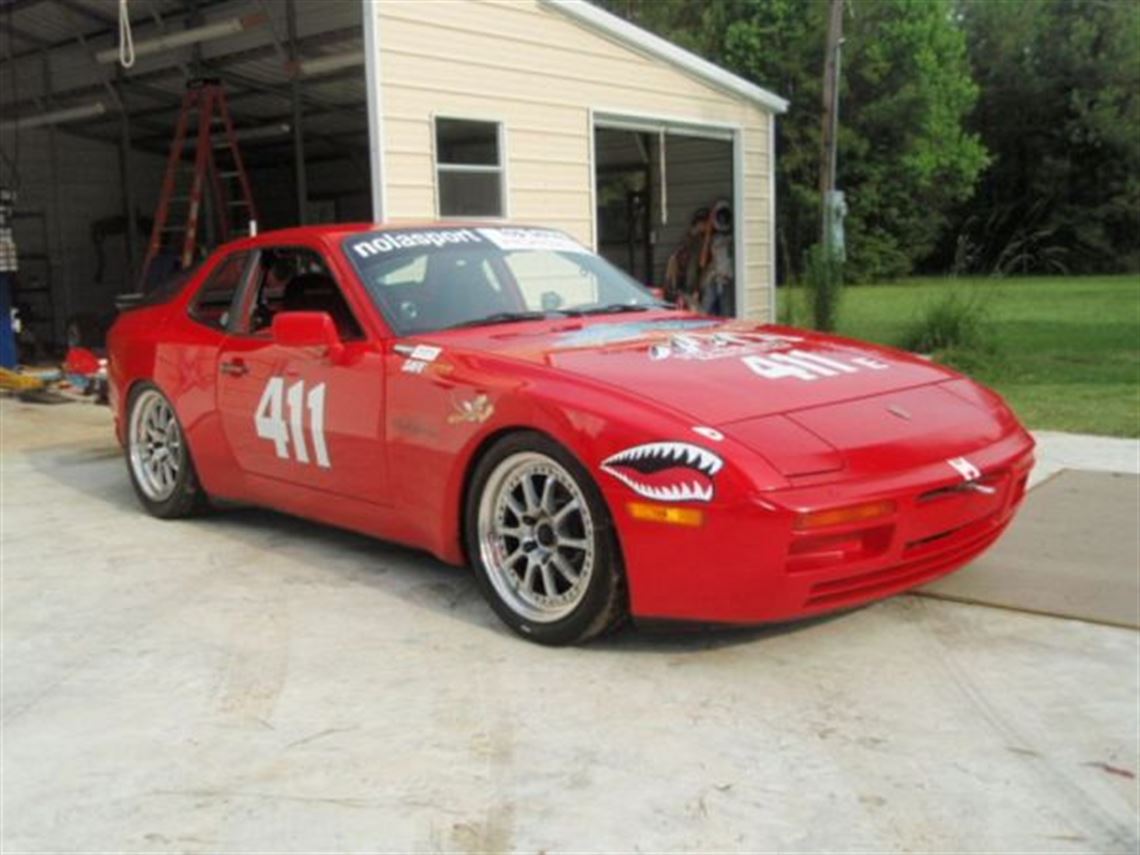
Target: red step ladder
(234, 212)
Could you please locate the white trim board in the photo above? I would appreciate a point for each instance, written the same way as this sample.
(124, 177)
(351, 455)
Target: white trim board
(655, 123)
(591, 129)
(644, 42)
(374, 90)
(773, 308)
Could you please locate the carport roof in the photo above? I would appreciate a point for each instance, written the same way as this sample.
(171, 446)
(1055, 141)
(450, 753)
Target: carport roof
(48, 64)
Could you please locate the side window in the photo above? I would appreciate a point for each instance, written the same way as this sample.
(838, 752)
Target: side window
(296, 279)
(215, 299)
(469, 168)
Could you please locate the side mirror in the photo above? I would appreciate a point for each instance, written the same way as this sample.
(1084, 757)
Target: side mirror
(659, 293)
(308, 330)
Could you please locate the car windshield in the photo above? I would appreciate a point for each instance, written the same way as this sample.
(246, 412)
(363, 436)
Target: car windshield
(424, 280)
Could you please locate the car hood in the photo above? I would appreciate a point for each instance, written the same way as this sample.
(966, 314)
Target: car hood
(713, 371)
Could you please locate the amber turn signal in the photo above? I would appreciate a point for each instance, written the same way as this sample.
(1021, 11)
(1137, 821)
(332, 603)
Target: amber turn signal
(845, 516)
(665, 514)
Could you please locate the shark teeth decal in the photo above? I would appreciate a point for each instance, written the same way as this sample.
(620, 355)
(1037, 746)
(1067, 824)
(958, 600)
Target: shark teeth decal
(666, 471)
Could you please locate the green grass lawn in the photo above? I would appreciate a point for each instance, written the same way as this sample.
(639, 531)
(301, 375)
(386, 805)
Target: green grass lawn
(1064, 351)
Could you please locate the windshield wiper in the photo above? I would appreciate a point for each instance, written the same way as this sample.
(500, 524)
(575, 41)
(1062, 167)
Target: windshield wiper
(614, 309)
(501, 318)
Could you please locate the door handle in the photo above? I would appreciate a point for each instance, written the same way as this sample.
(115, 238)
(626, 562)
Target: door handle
(235, 368)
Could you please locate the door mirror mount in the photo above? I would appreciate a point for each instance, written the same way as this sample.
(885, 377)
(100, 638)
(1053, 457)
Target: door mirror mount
(314, 330)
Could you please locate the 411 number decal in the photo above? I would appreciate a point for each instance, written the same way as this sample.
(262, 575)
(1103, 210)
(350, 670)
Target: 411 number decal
(270, 423)
(807, 366)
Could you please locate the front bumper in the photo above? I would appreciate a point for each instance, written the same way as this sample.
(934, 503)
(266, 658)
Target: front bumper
(750, 563)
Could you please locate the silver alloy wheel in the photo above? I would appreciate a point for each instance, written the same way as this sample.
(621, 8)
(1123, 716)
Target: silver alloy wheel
(155, 445)
(536, 537)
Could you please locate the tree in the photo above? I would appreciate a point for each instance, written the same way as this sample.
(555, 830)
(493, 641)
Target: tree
(780, 45)
(905, 159)
(910, 158)
(1060, 110)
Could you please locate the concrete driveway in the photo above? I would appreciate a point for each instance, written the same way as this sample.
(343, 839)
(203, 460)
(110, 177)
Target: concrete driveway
(249, 682)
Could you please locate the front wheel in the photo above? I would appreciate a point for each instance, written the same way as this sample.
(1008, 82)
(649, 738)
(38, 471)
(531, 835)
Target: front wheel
(158, 459)
(542, 542)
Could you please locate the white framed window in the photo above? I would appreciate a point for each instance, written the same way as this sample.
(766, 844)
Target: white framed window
(469, 172)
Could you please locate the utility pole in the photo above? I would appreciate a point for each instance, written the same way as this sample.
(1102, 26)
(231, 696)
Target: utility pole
(827, 160)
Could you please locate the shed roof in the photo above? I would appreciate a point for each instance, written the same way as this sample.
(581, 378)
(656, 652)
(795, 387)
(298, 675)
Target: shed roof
(645, 42)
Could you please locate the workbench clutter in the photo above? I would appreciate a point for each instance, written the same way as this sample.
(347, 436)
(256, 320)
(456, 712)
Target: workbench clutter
(9, 264)
(82, 376)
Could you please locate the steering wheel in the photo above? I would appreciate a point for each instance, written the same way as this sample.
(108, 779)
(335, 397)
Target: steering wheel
(261, 318)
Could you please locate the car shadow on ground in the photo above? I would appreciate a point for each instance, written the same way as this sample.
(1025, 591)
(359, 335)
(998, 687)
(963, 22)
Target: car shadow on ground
(673, 637)
(97, 471)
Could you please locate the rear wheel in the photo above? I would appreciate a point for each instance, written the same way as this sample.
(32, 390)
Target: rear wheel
(542, 543)
(158, 459)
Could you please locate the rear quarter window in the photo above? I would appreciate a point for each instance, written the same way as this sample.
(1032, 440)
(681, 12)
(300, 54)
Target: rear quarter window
(213, 304)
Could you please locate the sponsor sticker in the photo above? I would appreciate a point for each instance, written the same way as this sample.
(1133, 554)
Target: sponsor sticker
(620, 333)
(426, 352)
(385, 242)
(718, 345)
(476, 410)
(533, 239)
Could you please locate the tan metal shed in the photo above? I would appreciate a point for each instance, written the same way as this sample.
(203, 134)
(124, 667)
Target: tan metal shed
(543, 78)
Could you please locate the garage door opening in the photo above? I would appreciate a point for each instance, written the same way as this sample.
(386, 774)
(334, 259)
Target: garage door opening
(665, 210)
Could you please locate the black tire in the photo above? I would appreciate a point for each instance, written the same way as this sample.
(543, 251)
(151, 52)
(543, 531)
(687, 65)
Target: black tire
(600, 605)
(186, 496)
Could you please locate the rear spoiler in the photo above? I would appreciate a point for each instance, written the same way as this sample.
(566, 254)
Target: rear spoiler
(126, 302)
(164, 293)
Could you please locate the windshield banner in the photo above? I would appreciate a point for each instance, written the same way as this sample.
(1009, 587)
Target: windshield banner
(506, 239)
(532, 239)
(385, 242)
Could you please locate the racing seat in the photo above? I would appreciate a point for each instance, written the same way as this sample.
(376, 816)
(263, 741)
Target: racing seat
(317, 292)
(462, 291)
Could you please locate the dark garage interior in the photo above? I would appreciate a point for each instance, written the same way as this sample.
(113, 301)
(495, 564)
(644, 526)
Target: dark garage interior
(84, 142)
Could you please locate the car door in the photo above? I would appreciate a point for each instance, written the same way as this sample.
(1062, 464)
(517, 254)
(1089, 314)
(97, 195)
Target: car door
(185, 367)
(302, 421)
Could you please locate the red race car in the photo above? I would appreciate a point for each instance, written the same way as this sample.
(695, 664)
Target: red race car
(505, 398)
